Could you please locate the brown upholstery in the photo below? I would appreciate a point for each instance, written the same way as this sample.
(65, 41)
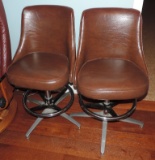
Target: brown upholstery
(5, 53)
(5, 50)
(8, 105)
(110, 63)
(42, 71)
(45, 57)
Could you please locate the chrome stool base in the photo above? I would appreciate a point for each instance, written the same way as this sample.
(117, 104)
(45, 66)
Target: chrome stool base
(48, 106)
(103, 116)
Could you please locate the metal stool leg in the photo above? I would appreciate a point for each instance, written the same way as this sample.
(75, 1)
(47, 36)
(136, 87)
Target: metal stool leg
(133, 121)
(70, 119)
(104, 134)
(38, 120)
(34, 125)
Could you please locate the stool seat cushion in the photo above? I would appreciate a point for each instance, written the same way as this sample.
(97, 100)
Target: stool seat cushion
(111, 79)
(40, 71)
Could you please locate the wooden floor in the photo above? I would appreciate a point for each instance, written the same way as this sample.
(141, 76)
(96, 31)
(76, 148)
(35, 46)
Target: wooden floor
(58, 139)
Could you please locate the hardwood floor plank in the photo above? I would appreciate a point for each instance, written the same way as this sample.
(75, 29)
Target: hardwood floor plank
(24, 153)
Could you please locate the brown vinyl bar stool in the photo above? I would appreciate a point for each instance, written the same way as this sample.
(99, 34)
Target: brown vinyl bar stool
(44, 61)
(110, 67)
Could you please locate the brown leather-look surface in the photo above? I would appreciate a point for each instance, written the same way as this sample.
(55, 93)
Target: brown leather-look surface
(46, 53)
(8, 105)
(41, 71)
(6, 91)
(110, 63)
(5, 49)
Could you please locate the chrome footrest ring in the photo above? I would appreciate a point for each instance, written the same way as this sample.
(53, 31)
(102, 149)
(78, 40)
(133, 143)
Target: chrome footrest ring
(44, 110)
